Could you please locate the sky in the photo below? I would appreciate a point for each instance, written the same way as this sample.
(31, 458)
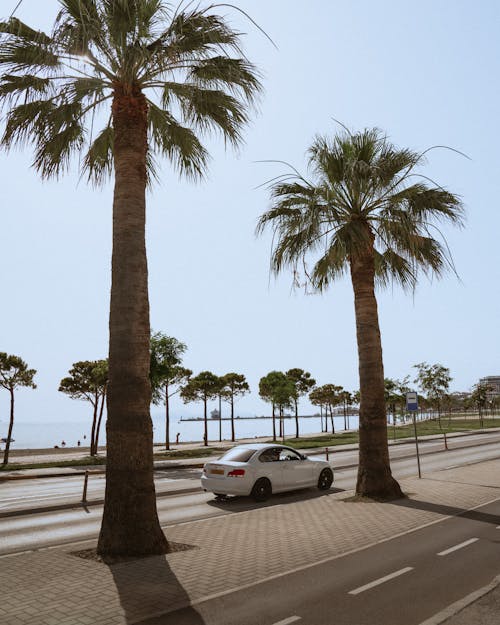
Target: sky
(426, 73)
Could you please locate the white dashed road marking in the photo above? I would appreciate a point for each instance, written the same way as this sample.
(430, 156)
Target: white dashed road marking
(451, 549)
(381, 580)
(287, 621)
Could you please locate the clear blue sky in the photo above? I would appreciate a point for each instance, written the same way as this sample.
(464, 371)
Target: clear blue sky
(427, 73)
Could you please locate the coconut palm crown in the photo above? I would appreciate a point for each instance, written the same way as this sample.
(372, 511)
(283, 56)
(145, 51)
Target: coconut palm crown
(55, 85)
(120, 82)
(368, 212)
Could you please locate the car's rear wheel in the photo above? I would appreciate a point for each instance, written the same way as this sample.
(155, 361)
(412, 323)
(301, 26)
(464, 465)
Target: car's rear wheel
(262, 489)
(325, 479)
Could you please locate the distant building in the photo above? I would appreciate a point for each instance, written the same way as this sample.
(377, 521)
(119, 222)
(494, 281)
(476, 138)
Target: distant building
(215, 414)
(493, 382)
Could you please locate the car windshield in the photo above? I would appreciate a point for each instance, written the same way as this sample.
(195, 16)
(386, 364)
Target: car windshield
(238, 454)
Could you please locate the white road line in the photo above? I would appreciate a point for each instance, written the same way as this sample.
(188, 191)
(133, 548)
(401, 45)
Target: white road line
(451, 549)
(286, 621)
(381, 580)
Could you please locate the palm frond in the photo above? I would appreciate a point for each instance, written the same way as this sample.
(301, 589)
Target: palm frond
(392, 267)
(194, 33)
(332, 265)
(53, 154)
(98, 162)
(27, 87)
(223, 71)
(20, 30)
(25, 56)
(176, 142)
(213, 109)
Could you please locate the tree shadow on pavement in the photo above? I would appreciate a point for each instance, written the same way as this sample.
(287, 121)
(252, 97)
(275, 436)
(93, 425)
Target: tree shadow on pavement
(433, 479)
(428, 506)
(150, 593)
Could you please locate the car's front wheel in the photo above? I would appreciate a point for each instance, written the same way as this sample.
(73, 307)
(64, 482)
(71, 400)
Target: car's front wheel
(325, 479)
(262, 489)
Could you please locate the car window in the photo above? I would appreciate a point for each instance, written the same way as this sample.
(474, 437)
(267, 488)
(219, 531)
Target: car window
(289, 454)
(270, 455)
(238, 454)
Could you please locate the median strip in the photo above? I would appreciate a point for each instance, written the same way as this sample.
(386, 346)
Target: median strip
(381, 580)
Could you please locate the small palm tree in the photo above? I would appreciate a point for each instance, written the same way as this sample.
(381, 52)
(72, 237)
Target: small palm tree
(163, 75)
(368, 214)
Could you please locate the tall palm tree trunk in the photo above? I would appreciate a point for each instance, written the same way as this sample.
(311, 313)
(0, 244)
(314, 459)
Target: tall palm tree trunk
(11, 426)
(130, 522)
(374, 471)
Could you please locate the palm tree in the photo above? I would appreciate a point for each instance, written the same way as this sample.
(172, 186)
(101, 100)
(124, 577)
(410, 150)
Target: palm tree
(168, 75)
(367, 212)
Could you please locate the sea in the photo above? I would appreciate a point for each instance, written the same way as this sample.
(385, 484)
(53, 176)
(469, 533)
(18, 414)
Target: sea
(30, 435)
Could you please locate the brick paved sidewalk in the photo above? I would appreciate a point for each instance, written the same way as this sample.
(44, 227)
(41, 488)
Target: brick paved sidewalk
(54, 587)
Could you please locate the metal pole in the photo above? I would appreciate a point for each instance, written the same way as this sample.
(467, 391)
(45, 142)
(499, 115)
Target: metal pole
(85, 482)
(416, 444)
(327, 455)
(445, 441)
(220, 419)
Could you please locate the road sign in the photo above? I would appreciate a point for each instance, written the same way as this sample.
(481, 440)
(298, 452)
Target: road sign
(411, 401)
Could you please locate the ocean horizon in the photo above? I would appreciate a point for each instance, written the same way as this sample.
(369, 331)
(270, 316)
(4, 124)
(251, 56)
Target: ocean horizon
(42, 435)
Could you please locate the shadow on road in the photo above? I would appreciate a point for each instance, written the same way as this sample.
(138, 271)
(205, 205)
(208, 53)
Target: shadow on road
(240, 504)
(473, 515)
(148, 586)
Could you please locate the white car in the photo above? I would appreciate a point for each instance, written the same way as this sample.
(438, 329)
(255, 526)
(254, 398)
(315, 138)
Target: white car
(262, 469)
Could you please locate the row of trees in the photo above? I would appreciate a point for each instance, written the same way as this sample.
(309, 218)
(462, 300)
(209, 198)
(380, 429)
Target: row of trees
(433, 382)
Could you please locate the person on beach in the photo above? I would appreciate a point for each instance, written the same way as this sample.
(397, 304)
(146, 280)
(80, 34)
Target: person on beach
(177, 438)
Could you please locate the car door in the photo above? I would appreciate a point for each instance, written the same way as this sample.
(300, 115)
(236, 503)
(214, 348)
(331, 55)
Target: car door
(296, 472)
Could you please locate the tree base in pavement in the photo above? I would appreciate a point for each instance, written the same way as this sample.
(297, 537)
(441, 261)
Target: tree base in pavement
(381, 486)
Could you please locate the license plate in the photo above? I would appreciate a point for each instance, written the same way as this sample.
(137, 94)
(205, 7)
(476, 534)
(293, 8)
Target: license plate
(217, 471)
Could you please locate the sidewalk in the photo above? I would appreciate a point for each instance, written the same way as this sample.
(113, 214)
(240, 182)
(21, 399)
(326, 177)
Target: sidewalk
(55, 587)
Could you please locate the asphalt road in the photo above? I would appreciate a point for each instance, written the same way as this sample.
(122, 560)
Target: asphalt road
(27, 494)
(33, 531)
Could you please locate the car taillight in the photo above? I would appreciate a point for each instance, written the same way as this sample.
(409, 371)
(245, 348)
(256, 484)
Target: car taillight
(236, 473)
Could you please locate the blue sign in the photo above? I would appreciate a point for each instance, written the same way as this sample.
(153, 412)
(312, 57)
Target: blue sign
(411, 401)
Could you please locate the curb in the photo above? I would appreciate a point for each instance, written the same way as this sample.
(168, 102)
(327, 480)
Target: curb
(461, 604)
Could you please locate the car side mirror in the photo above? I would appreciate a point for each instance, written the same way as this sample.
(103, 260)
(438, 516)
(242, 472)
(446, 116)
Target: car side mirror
(303, 457)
